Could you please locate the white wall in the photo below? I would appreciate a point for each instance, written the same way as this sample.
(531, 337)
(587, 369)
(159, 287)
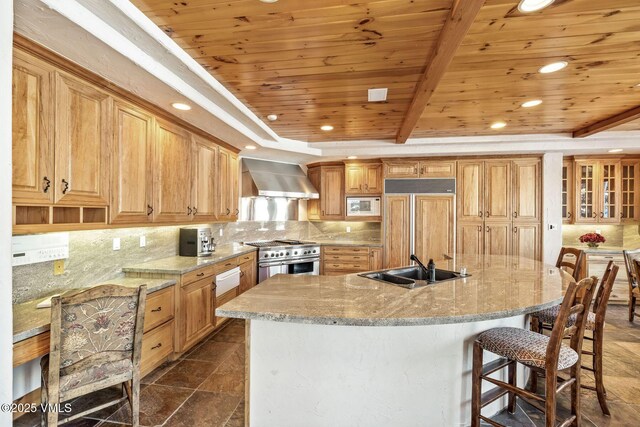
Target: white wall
(552, 206)
(6, 318)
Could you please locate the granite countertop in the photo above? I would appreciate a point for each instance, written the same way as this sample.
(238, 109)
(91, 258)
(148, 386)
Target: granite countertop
(185, 264)
(369, 243)
(29, 321)
(498, 287)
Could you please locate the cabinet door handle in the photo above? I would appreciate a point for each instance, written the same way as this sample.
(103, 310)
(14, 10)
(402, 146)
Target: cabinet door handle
(568, 214)
(156, 346)
(515, 214)
(189, 210)
(601, 214)
(242, 274)
(361, 186)
(479, 229)
(595, 214)
(149, 210)
(488, 229)
(515, 229)
(195, 211)
(237, 211)
(322, 213)
(228, 211)
(480, 214)
(422, 170)
(200, 274)
(415, 170)
(66, 186)
(156, 310)
(47, 184)
(486, 214)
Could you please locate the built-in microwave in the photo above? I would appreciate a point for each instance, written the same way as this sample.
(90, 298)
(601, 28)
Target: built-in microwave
(363, 206)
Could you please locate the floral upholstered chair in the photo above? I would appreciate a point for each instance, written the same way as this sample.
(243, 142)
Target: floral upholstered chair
(96, 337)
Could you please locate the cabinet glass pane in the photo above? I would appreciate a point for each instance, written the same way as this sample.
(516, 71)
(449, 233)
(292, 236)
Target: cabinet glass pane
(628, 192)
(586, 191)
(608, 191)
(565, 184)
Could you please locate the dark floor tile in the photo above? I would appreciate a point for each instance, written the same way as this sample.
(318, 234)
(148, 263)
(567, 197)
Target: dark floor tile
(204, 409)
(157, 404)
(230, 382)
(234, 333)
(517, 419)
(237, 418)
(212, 351)
(154, 375)
(234, 363)
(187, 374)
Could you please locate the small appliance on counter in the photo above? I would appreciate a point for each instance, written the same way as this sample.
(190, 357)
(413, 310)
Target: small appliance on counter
(196, 242)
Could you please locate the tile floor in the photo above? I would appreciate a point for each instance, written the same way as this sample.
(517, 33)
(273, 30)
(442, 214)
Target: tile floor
(206, 386)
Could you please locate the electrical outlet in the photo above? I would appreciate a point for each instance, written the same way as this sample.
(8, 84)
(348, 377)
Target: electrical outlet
(221, 232)
(116, 243)
(58, 267)
(143, 241)
(348, 229)
(598, 231)
(553, 226)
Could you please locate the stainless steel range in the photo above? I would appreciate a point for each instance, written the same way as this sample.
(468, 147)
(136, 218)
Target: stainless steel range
(287, 257)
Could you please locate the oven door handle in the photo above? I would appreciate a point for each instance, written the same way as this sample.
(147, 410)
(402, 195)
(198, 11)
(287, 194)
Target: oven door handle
(301, 261)
(271, 264)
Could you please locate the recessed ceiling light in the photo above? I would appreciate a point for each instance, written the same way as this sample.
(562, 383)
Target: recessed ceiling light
(638, 85)
(268, 1)
(352, 157)
(615, 150)
(326, 128)
(181, 106)
(553, 67)
(250, 147)
(498, 125)
(528, 6)
(532, 103)
(272, 117)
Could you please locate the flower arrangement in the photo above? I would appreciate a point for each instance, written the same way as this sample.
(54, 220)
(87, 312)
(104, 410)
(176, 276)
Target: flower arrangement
(592, 239)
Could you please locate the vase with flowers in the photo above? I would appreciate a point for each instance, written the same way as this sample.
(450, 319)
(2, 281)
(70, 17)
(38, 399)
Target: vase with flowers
(592, 240)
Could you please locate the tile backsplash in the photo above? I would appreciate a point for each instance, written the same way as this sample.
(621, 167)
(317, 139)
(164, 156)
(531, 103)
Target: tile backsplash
(92, 259)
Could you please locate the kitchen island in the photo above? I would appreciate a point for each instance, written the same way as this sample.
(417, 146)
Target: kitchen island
(349, 351)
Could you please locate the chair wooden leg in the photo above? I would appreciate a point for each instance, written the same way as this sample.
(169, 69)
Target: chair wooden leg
(597, 371)
(512, 369)
(476, 387)
(551, 381)
(52, 418)
(535, 327)
(575, 395)
(632, 308)
(43, 400)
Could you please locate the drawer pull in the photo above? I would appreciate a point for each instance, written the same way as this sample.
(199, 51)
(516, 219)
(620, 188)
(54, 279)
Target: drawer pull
(336, 265)
(227, 264)
(156, 346)
(156, 310)
(200, 274)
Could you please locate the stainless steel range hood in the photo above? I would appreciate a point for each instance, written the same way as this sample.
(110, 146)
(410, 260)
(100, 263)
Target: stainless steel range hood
(273, 179)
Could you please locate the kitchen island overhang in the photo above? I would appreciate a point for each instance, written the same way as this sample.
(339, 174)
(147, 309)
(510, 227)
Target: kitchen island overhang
(347, 350)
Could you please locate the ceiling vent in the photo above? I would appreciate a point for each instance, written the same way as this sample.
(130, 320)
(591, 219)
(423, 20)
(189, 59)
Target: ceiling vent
(378, 95)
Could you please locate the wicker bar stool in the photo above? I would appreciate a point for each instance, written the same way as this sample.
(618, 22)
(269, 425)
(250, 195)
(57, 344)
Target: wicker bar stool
(574, 264)
(538, 352)
(545, 320)
(632, 276)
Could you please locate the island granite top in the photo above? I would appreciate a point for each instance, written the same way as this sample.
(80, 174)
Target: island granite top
(498, 287)
(29, 321)
(185, 264)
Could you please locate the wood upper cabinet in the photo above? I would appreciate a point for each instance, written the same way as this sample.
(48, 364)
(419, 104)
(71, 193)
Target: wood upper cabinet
(434, 230)
(205, 197)
(132, 159)
(470, 190)
(402, 169)
(397, 223)
(228, 178)
(497, 238)
(81, 143)
(438, 169)
(526, 190)
(598, 191)
(197, 302)
(630, 207)
(32, 132)
(568, 204)
(313, 205)
(363, 178)
(172, 173)
(497, 190)
(526, 240)
(332, 193)
(470, 238)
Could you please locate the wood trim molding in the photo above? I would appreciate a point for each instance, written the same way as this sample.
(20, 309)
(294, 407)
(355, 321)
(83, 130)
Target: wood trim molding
(608, 123)
(455, 28)
(29, 46)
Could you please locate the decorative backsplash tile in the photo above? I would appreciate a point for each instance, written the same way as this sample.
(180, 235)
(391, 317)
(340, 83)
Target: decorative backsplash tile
(92, 259)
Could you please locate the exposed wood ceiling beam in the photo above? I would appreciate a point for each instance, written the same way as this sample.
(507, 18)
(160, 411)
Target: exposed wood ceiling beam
(455, 28)
(608, 123)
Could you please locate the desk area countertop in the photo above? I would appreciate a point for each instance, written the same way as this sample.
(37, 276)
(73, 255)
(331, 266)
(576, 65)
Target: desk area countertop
(498, 287)
(184, 264)
(29, 321)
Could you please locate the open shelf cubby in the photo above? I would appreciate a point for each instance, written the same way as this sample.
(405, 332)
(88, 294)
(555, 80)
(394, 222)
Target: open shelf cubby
(28, 215)
(66, 215)
(94, 215)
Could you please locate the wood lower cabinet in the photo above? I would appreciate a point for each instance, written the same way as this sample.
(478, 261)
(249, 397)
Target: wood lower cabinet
(340, 260)
(157, 340)
(82, 126)
(132, 155)
(526, 240)
(205, 191)
(434, 227)
(32, 130)
(376, 261)
(248, 276)
(596, 266)
(396, 231)
(197, 302)
(470, 238)
(172, 174)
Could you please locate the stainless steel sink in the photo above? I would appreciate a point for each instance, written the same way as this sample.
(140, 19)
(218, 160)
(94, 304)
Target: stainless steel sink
(411, 277)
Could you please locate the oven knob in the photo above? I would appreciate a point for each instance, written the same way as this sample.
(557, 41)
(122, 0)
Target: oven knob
(314, 251)
(272, 255)
(287, 253)
(306, 252)
(277, 255)
(266, 255)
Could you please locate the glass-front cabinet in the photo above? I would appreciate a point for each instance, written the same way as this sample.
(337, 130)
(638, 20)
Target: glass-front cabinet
(567, 192)
(630, 208)
(598, 191)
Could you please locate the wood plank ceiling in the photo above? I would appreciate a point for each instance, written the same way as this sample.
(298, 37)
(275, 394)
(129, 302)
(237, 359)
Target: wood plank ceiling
(311, 63)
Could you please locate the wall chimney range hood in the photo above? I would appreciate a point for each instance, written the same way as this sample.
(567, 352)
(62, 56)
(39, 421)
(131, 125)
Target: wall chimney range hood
(261, 178)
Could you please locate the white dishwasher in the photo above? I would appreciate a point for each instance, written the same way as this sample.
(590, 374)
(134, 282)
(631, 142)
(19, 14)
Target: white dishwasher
(227, 281)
